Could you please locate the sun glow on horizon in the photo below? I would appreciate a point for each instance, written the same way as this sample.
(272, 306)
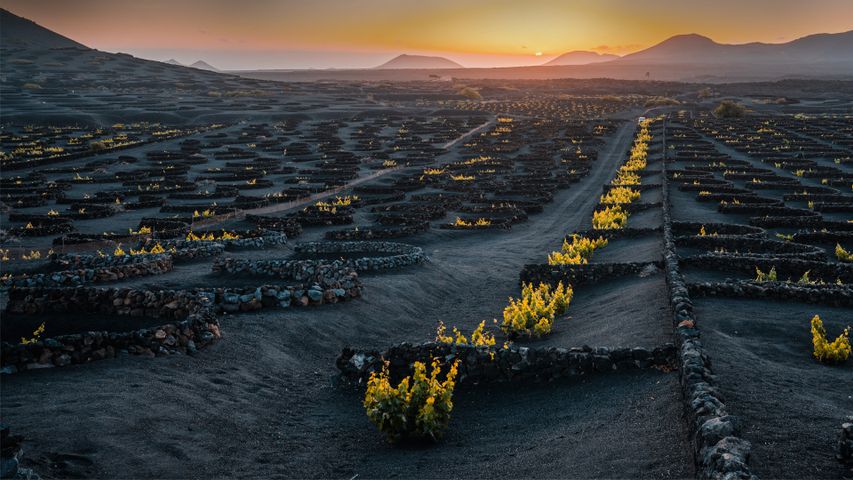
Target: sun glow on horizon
(272, 34)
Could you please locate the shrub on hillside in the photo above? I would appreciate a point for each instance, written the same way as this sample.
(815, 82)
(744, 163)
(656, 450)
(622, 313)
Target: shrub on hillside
(97, 146)
(706, 92)
(729, 109)
(470, 93)
(661, 102)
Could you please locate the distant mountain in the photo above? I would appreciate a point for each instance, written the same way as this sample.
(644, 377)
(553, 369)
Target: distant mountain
(202, 65)
(18, 32)
(418, 61)
(172, 61)
(680, 58)
(697, 50)
(581, 57)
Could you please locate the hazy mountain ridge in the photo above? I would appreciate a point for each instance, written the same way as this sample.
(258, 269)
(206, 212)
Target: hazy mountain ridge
(406, 61)
(581, 57)
(698, 49)
(202, 65)
(689, 57)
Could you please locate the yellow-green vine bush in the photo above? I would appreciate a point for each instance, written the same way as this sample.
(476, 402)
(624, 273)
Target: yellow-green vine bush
(37, 333)
(625, 178)
(620, 195)
(843, 255)
(577, 252)
(627, 173)
(610, 218)
(533, 314)
(825, 351)
(479, 337)
(765, 277)
(418, 408)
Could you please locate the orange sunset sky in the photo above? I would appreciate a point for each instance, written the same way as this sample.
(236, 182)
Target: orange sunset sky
(363, 33)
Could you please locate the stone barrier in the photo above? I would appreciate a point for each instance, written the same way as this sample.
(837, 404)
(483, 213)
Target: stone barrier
(845, 444)
(830, 294)
(396, 254)
(712, 228)
(233, 300)
(719, 451)
(584, 274)
(617, 233)
(10, 456)
(738, 246)
(511, 364)
(136, 266)
(190, 324)
(380, 233)
(786, 268)
(255, 239)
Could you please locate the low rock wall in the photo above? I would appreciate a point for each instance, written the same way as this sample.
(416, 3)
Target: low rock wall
(511, 364)
(718, 449)
(586, 274)
(396, 254)
(151, 265)
(831, 295)
(190, 324)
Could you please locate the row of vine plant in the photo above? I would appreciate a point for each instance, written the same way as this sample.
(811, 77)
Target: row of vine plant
(419, 407)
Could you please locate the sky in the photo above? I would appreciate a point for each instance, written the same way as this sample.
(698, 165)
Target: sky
(267, 34)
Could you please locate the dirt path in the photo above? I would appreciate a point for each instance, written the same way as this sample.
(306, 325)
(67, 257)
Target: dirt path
(450, 144)
(285, 207)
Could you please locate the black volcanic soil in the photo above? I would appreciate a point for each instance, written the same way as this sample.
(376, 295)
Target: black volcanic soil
(790, 404)
(265, 401)
(627, 311)
(558, 430)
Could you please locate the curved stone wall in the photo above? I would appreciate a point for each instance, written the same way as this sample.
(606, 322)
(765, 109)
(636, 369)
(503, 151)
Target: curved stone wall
(189, 324)
(397, 254)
